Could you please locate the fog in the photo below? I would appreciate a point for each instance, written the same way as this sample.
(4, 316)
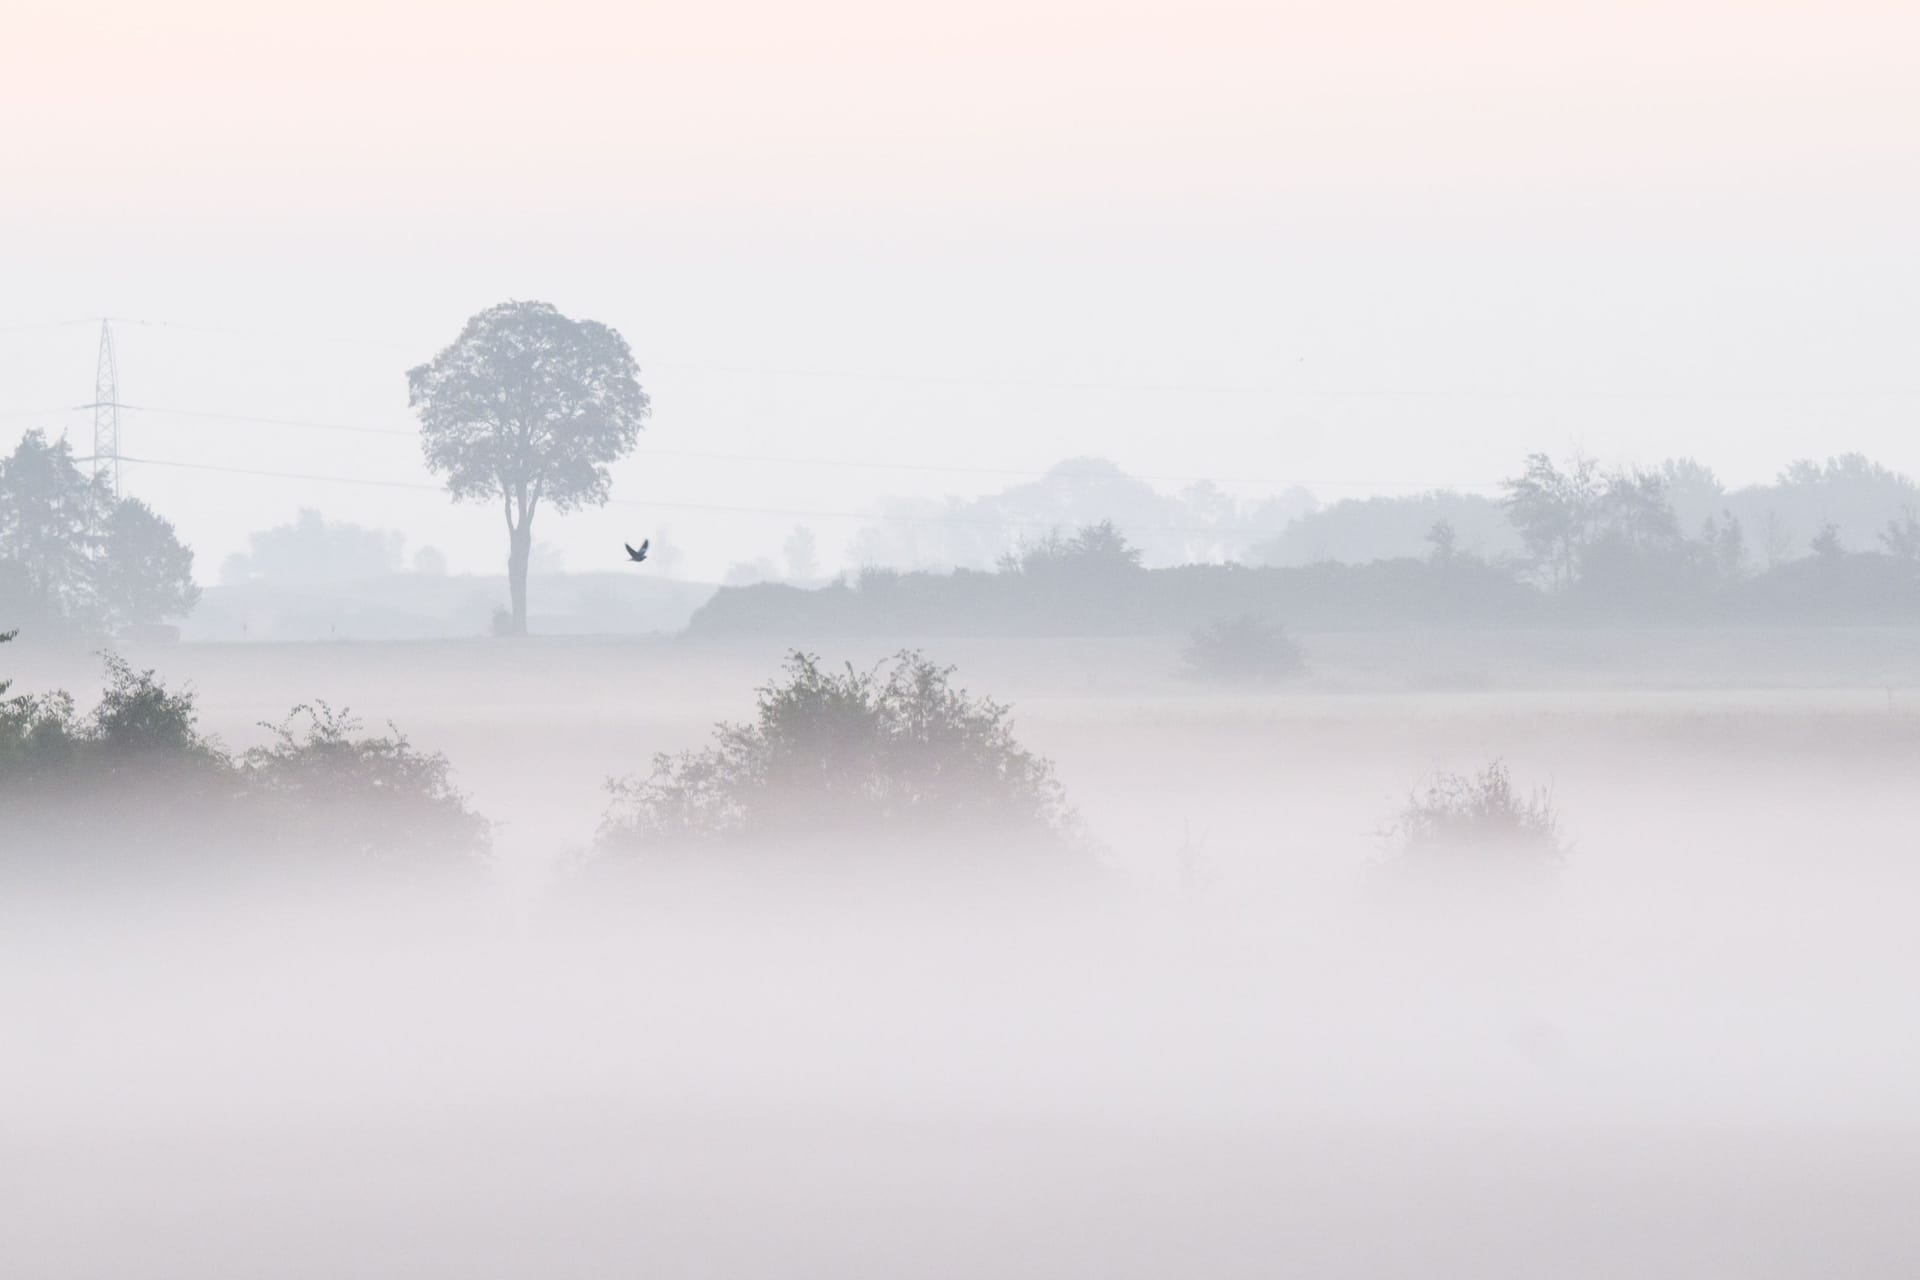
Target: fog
(1246, 1041)
(1236, 639)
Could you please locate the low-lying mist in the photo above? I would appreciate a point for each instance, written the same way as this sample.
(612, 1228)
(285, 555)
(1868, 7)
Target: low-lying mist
(1261, 1008)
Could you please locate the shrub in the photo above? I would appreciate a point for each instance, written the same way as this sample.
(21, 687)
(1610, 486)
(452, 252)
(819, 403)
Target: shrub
(894, 758)
(375, 798)
(1479, 819)
(136, 780)
(1248, 649)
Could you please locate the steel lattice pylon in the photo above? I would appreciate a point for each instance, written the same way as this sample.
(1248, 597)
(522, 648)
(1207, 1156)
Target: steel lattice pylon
(106, 411)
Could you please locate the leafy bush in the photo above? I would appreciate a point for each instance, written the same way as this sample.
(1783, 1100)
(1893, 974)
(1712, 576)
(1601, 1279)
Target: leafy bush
(896, 759)
(1479, 819)
(1248, 649)
(370, 797)
(136, 780)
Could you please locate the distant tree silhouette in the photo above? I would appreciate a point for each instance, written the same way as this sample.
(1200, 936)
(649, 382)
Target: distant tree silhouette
(802, 551)
(1555, 512)
(528, 407)
(1901, 538)
(1095, 550)
(1857, 496)
(312, 548)
(79, 558)
(144, 573)
(50, 519)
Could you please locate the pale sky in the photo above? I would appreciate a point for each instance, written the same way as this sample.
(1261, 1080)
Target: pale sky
(1356, 246)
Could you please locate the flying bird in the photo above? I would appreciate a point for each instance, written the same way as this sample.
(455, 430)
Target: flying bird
(641, 554)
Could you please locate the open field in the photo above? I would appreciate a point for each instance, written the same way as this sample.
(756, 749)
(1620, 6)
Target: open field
(1250, 1053)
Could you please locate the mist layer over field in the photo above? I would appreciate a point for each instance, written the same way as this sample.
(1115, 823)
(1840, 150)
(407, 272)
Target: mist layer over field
(1253, 1041)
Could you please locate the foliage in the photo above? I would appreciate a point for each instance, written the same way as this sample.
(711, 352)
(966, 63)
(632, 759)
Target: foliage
(136, 779)
(50, 513)
(899, 759)
(1093, 550)
(140, 719)
(1555, 512)
(74, 558)
(369, 796)
(528, 407)
(144, 573)
(1247, 649)
(1479, 816)
(1901, 539)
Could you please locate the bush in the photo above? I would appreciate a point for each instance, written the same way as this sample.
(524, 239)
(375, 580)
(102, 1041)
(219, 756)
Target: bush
(894, 760)
(375, 798)
(136, 781)
(1479, 819)
(1248, 649)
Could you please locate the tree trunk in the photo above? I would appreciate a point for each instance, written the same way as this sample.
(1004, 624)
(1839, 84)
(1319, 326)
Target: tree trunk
(520, 550)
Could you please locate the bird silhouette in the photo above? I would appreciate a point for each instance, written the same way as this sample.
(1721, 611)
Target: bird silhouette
(641, 554)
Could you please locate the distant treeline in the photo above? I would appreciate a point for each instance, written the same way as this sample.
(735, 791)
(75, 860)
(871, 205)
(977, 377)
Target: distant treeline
(1852, 495)
(1593, 548)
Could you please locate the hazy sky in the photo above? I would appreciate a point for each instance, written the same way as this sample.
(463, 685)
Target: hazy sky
(1358, 246)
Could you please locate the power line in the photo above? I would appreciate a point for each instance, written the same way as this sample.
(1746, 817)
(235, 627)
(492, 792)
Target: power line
(304, 423)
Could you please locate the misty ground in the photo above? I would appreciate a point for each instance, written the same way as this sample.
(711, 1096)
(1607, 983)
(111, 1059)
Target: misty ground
(1252, 1050)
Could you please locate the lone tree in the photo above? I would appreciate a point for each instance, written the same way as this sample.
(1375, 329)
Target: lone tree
(528, 406)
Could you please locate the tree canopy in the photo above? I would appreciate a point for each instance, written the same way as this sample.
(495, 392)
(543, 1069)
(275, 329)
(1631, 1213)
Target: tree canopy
(527, 407)
(73, 556)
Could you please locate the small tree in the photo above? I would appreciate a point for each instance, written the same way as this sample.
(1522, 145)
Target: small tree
(527, 407)
(1555, 511)
(75, 555)
(51, 515)
(145, 574)
(1901, 538)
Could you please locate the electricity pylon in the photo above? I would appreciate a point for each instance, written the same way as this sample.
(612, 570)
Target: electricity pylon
(106, 411)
